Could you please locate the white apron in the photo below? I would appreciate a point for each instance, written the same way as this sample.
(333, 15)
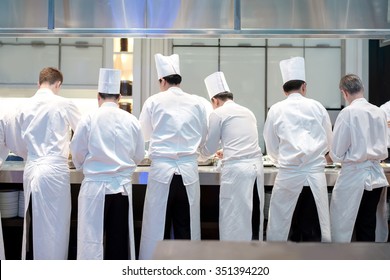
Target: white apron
(47, 180)
(91, 216)
(285, 193)
(160, 177)
(353, 179)
(2, 253)
(236, 197)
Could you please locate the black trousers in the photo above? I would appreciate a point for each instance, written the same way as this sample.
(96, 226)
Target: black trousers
(177, 215)
(305, 224)
(116, 227)
(255, 213)
(365, 223)
(388, 156)
(29, 234)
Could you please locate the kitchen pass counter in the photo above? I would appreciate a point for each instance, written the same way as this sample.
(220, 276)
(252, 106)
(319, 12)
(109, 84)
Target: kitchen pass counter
(12, 172)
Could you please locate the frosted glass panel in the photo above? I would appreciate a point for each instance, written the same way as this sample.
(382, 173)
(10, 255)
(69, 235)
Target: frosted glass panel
(274, 77)
(80, 66)
(196, 63)
(22, 64)
(244, 69)
(323, 73)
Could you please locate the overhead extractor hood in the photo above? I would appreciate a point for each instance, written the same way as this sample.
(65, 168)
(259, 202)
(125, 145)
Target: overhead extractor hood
(202, 18)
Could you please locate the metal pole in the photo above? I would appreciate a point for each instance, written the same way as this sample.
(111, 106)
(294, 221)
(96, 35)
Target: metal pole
(50, 22)
(237, 14)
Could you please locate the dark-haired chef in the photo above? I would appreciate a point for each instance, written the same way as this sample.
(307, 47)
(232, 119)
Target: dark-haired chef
(234, 128)
(298, 134)
(107, 144)
(175, 124)
(359, 144)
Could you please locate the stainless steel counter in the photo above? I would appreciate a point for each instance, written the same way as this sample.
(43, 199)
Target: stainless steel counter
(12, 172)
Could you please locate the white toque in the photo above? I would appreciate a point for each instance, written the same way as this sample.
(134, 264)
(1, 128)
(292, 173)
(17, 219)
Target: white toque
(216, 83)
(293, 69)
(167, 65)
(109, 81)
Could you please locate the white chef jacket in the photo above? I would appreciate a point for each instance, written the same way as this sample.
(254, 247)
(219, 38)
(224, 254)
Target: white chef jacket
(386, 107)
(43, 125)
(107, 144)
(235, 127)
(175, 123)
(359, 143)
(3, 148)
(297, 134)
(3, 155)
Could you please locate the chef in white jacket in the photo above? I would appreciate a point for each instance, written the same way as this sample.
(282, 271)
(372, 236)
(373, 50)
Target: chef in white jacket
(42, 128)
(175, 124)
(359, 144)
(107, 144)
(3, 155)
(234, 127)
(297, 134)
(386, 107)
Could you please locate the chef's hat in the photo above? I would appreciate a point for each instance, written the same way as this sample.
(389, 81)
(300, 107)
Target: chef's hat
(216, 83)
(167, 65)
(109, 81)
(293, 69)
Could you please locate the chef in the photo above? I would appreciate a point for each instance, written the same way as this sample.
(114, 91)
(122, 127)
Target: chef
(234, 127)
(3, 155)
(359, 144)
(42, 129)
(297, 134)
(107, 144)
(386, 107)
(175, 124)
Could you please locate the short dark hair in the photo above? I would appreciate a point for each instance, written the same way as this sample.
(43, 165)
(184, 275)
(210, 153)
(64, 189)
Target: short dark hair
(50, 75)
(224, 96)
(351, 83)
(109, 96)
(293, 85)
(173, 79)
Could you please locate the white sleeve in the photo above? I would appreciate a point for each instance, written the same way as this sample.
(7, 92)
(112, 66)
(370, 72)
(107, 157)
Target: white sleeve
(213, 137)
(140, 146)
(271, 138)
(341, 139)
(146, 121)
(79, 143)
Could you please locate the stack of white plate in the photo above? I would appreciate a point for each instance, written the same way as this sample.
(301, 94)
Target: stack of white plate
(21, 204)
(9, 200)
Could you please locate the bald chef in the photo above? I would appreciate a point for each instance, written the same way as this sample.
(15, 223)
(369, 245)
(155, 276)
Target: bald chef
(107, 144)
(242, 177)
(297, 135)
(175, 123)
